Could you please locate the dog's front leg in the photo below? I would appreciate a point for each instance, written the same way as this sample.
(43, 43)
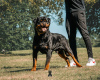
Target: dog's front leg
(34, 59)
(48, 57)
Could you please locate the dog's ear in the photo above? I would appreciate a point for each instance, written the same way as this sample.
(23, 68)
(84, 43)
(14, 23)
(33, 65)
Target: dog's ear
(49, 20)
(34, 20)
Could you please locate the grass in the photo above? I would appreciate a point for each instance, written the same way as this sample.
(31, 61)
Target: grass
(17, 66)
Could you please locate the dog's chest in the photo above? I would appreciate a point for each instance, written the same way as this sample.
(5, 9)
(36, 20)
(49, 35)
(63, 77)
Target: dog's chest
(43, 42)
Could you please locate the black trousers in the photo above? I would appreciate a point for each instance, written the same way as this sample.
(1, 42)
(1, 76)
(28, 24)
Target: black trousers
(76, 20)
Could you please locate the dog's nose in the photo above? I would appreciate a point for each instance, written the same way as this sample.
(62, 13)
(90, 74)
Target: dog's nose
(44, 24)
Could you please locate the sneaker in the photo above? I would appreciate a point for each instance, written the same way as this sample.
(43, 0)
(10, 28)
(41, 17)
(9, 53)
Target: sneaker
(91, 62)
(72, 64)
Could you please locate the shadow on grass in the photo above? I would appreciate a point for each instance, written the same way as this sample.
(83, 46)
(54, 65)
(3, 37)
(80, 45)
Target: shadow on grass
(19, 69)
(19, 54)
(7, 55)
(26, 68)
(23, 70)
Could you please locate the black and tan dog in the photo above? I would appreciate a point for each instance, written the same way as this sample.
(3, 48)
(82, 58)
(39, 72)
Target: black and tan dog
(47, 42)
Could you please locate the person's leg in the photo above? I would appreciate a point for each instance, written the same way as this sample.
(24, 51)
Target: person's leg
(81, 23)
(71, 30)
(72, 41)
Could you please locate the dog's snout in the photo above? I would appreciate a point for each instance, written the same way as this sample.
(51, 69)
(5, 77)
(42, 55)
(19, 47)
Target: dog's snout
(43, 24)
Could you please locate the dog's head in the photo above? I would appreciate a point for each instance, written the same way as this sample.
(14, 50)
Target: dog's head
(41, 24)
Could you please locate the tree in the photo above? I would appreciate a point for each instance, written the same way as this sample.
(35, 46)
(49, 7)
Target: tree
(80, 42)
(96, 40)
(93, 16)
(16, 27)
(16, 16)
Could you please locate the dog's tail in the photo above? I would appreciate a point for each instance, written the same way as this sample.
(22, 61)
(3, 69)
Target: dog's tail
(75, 60)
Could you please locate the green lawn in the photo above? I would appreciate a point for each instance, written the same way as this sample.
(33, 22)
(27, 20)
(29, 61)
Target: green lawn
(17, 66)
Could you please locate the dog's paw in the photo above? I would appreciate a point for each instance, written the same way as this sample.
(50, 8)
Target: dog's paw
(33, 69)
(45, 69)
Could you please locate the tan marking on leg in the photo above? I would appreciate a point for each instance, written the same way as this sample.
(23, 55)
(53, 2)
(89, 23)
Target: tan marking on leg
(61, 55)
(47, 66)
(68, 63)
(34, 67)
(75, 60)
(64, 57)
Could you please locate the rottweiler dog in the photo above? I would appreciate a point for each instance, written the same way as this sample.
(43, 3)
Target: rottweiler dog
(47, 42)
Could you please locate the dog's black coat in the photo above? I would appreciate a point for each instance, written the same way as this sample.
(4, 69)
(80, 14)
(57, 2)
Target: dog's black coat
(48, 42)
(53, 41)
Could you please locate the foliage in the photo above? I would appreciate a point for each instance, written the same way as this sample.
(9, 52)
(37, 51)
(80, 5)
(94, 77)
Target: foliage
(95, 40)
(80, 43)
(93, 16)
(17, 28)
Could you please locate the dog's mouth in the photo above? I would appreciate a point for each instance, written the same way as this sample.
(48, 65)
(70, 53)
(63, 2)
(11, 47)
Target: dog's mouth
(44, 29)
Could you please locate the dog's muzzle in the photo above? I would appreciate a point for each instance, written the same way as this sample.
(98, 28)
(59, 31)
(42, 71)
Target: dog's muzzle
(42, 27)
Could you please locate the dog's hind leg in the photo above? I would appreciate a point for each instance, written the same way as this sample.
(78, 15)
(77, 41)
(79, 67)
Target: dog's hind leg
(62, 55)
(69, 51)
(75, 60)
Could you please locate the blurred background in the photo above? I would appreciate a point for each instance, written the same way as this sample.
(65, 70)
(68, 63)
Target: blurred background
(17, 28)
